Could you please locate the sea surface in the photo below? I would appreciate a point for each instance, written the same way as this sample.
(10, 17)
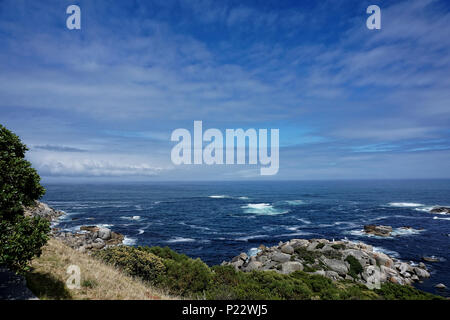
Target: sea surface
(217, 220)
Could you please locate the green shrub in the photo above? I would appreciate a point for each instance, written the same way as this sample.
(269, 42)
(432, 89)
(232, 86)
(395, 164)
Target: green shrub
(165, 253)
(392, 291)
(355, 267)
(21, 239)
(134, 262)
(257, 285)
(18, 180)
(188, 278)
(320, 245)
(307, 256)
(339, 246)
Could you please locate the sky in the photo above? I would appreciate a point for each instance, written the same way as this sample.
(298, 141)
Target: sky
(100, 103)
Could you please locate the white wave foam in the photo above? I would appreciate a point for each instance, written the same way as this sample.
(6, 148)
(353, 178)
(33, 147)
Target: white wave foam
(397, 232)
(361, 233)
(391, 253)
(180, 239)
(141, 231)
(405, 204)
(294, 202)
(253, 252)
(251, 237)
(128, 241)
(262, 209)
(221, 196)
(298, 233)
(104, 225)
(429, 208)
(406, 231)
(131, 218)
(437, 218)
(305, 221)
(243, 198)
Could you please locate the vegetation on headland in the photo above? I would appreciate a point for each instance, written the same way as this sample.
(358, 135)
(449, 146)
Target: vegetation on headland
(191, 278)
(123, 272)
(21, 238)
(47, 278)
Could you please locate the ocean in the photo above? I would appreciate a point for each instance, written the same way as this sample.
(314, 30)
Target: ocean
(215, 221)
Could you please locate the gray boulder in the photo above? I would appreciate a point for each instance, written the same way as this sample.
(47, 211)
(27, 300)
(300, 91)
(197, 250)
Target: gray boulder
(280, 257)
(291, 266)
(335, 265)
(287, 249)
(104, 233)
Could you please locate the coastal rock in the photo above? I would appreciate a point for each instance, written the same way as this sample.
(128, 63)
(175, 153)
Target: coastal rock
(104, 233)
(43, 210)
(90, 238)
(381, 231)
(280, 257)
(329, 259)
(421, 273)
(253, 265)
(440, 210)
(287, 249)
(430, 259)
(291, 266)
(336, 265)
(383, 260)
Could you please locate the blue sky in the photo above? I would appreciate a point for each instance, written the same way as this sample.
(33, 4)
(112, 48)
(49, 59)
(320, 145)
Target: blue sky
(351, 103)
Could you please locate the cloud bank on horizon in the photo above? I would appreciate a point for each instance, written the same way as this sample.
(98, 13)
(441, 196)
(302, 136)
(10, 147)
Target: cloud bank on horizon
(350, 103)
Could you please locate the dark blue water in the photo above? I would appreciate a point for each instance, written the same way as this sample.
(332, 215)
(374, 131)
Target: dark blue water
(217, 220)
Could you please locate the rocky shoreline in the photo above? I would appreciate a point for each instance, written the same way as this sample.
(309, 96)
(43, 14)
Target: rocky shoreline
(87, 239)
(337, 260)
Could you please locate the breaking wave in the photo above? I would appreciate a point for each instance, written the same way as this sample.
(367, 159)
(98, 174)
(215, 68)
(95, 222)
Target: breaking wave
(262, 209)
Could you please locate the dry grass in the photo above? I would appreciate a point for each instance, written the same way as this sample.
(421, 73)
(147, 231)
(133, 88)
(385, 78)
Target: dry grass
(99, 281)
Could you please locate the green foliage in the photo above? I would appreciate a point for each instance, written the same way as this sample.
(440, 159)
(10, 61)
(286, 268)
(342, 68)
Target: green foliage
(184, 276)
(165, 253)
(18, 180)
(134, 262)
(191, 278)
(320, 245)
(307, 256)
(163, 267)
(339, 246)
(355, 267)
(21, 239)
(188, 278)
(392, 291)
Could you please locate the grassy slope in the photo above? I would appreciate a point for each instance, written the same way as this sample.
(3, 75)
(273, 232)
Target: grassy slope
(98, 280)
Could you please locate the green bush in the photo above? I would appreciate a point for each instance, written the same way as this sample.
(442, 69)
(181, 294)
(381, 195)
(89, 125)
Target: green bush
(134, 262)
(355, 267)
(339, 246)
(18, 180)
(392, 291)
(21, 239)
(320, 245)
(188, 278)
(184, 276)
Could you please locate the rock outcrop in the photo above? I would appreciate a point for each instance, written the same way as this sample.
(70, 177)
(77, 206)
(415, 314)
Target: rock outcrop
(42, 210)
(337, 260)
(88, 238)
(440, 210)
(381, 231)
